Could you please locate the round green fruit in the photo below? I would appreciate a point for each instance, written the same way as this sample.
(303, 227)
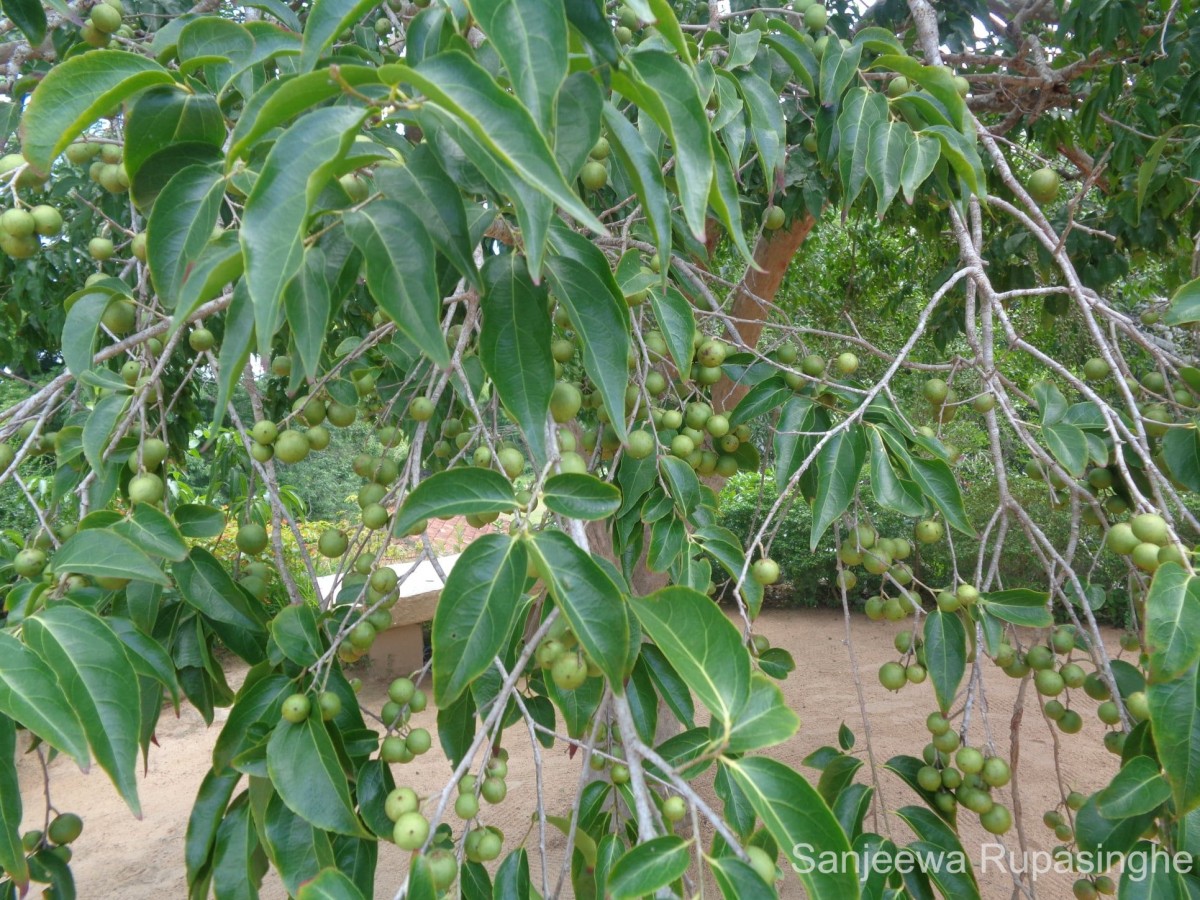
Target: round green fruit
(765, 571)
(100, 249)
(1044, 185)
(928, 531)
(146, 488)
(411, 831)
(296, 708)
(892, 676)
(65, 828)
(594, 175)
(773, 218)
(332, 543)
(201, 339)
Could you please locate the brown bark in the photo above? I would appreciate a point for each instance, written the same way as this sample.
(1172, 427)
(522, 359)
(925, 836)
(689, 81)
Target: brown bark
(773, 253)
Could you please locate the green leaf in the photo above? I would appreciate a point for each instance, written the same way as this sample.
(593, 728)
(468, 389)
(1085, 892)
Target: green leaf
(739, 881)
(401, 272)
(306, 303)
(583, 283)
(98, 429)
(839, 65)
(765, 720)
(1175, 723)
(863, 111)
(1019, 606)
(456, 492)
(937, 482)
(30, 694)
(148, 657)
(725, 199)
(198, 521)
(1172, 622)
(1095, 834)
(797, 417)
(255, 710)
(219, 263)
(331, 884)
(297, 850)
(650, 865)
(1069, 446)
(206, 587)
(303, 766)
(151, 530)
(207, 812)
(890, 141)
(920, 159)
(889, 488)
(760, 400)
(512, 878)
(514, 346)
(838, 468)
(30, 17)
(295, 630)
(235, 348)
(476, 613)
(105, 554)
(665, 90)
(945, 654)
(164, 116)
(952, 879)
(595, 27)
(97, 677)
(644, 171)
(79, 329)
(274, 222)
(799, 56)
(800, 821)
(1185, 302)
(238, 864)
(671, 688)
(578, 112)
(1137, 789)
(702, 646)
(962, 156)
(937, 80)
(78, 91)
(530, 37)
(1181, 450)
(326, 20)
(766, 122)
(580, 496)
(430, 194)
(12, 854)
(723, 545)
(590, 600)
(500, 123)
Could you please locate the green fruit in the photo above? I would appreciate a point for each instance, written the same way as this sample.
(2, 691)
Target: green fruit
(100, 249)
(996, 820)
(291, 446)
(1095, 369)
(29, 563)
(1121, 539)
(1073, 675)
(773, 218)
(847, 363)
(401, 690)
(813, 365)
(296, 708)
(1044, 185)
(400, 801)
(996, 772)
(493, 790)
(815, 17)
(935, 390)
(201, 339)
(281, 366)
(146, 488)
(569, 672)
(1137, 706)
(1048, 683)
(892, 676)
(928, 531)
(898, 87)
(264, 432)
(969, 760)
(330, 704)
(104, 18)
(1070, 722)
(340, 414)
(19, 222)
(1145, 557)
(251, 539)
(762, 863)
(64, 829)
(1150, 528)
(411, 831)
(594, 175)
(332, 543)
(765, 571)
(983, 403)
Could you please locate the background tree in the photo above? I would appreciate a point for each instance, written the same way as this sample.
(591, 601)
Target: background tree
(539, 247)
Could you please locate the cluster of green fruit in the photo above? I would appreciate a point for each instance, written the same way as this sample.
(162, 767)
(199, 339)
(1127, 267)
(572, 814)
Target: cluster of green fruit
(1083, 888)
(946, 404)
(102, 159)
(560, 654)
(64, 829)
(404, 699)
(967, 783)
(380, 596)
(594, 174)
(20, 229)
(103, 22)
(1146, 540)
(911, 668)
(885, 556)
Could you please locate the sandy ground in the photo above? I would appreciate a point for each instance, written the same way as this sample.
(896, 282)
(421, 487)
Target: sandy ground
(120, 856)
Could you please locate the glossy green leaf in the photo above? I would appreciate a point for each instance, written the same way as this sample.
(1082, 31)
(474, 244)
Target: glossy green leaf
(218, 263)
(962, 156)
(198, 521)
(512, 878)
(514, 346)
(760, 400)
(1069, 446)
(937, 482)
(1137, 789)
(256, 709)
(105, 554)
(456, 492)
(937, 80)
(79, 329)
(580, 496)
(739, 881)
(330, 884)
(945, 655)
(29, 16)
(1172, 622)
(1175, 723)
(919, 161)
(582, 281)
(98, 429)
(725, 199)
(235, 348)
(650, 865)
(303, 766)
(152, 531)
(906, 769)
(1020, 606)
(1095, 834)
(701, 645)
(723, 545)
(665, 89)
(766, 122)
(889, 488)
(765, 721)
(644, 171)
(306, 304)
(578, 111)
(499, 122)
(839, 66)
(275, 219)
(531, 38)
(401, 273)
(1159, 877)
(802, 825)
(590, 600)
(797, 417)
(12, 854)
(947, 873)
(890, 141)
(148, 657)
(1181, 450)
(326, 20)
(163, 116)
(863, 111)
(206, 587)
(476, 613)
(30, 694)
(839, 466)
(676, 320)
(98, 679)
(295, 630)
(1185, 303)
(671, 688)
(59, 110)
(207, 812)
(238, 864)
(296, 849)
